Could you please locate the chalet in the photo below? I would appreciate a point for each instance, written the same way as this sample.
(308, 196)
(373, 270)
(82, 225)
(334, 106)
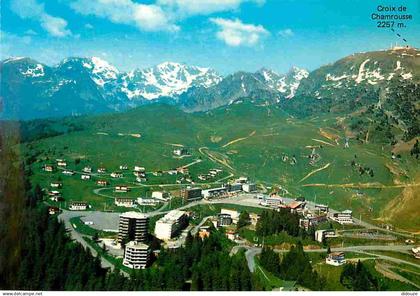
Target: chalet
(48, 168)
(231, 234)
(160, 195)
(139, 174)
(180, 151)
(124, 202)
(172, 172)
(78, 206)
(101, 170)
(68, 173)
(254, 218)
(224, 219)
(344, 217)
(335, 259)
(53, 193)
(157, 173)
(182, 170)
(204, 232)
(121, 188)
(212, 174)
(296, 206)
(87, 169)
(116, 175)
(123, 167)
(102, 183)
(202, 177)
(141, 179)
(56, 198)
(147, 201)
(85, 177)
(56, 185)
(62, 163)
(416, 252)
(139, 169)
(53, 210)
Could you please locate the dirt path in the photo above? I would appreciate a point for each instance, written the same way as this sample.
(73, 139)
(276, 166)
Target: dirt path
(239, 139)
(315, 171)
(213, 158)
(323, 142)
(388, 272)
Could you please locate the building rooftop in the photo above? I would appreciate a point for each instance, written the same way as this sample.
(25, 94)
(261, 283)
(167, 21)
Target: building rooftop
(172, 216)
(134, 215)
(336, 254)
(124, 199)
(137, 245)
(295, 204)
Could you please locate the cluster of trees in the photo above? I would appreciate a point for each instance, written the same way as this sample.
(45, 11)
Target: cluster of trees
(243, 220)
(415, 151)
(200, 265)
(36, 253)
(362, 169)
(272, 222)
(396, 118)
(33, 130)
(49, 260)
(294, 266)
(357, 277)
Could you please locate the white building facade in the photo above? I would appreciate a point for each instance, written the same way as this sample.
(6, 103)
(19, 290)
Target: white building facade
(136, 255)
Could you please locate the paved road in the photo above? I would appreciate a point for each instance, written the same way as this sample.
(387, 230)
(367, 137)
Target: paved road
(311, 205)
(197, 228)
(251, 252)
(78, 237)
(244, 200)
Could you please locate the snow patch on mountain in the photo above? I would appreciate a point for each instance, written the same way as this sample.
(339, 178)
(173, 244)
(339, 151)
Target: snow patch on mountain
(286, 84)
(166, 80)
(359, 77)
(12, 59)
(34, 71)
(407, 75)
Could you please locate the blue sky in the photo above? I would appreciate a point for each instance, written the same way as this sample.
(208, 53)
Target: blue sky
(227, 35)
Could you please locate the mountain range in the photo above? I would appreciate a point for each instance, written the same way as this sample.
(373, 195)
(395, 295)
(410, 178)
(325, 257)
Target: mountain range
(78, 86)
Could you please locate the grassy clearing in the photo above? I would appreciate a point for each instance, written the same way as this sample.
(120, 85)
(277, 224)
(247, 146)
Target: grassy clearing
(270, 281)
(399, 255)
(277, 239)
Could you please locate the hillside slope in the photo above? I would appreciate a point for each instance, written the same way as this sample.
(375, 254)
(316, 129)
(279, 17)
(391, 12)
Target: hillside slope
(297, 157)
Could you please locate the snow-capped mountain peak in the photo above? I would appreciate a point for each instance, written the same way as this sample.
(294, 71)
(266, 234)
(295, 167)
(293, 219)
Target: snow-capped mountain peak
(286, 84)
(167, 79)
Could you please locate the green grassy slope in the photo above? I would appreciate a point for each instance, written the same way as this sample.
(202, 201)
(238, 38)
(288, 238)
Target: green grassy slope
(242, 139)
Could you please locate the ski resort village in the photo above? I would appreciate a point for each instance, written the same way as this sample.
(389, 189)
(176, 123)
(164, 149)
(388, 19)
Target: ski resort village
(125, 213)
